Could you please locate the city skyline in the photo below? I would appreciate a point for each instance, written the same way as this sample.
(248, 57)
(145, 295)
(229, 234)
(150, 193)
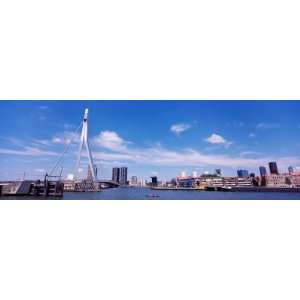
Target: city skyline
(160, 138)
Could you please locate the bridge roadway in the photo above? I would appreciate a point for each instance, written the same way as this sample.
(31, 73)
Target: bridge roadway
(109, 183)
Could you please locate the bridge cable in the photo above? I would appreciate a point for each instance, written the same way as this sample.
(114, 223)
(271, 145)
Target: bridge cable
(67, 146)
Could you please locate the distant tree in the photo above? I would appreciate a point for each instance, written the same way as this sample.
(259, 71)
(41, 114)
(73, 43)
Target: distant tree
(263, 181)
(288, 181)
(255, 181)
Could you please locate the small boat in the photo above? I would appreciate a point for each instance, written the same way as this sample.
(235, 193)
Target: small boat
(152, 196)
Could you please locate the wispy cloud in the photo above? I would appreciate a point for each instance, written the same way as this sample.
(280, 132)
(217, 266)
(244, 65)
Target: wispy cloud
(42, 142)
(28, 151)
(69, 126)
(235, 124)
(264, 125)
(160, 156)
(250, 153)
(40, 170)
(116, 149)
(217, 139)
(65, 137)
(252, 135)
(43, 107)
(180, 128)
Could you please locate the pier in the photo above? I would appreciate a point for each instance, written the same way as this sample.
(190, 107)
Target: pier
(35, 188)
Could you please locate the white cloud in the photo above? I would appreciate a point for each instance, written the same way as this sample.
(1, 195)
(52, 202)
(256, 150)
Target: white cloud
(43, 107)
(28, 151)
(159, 156)
(180, 128)
(66, 138)
(110, 140)
(247, 153)
(57, 140)
(218, 140)
(252, 135)
(267, 125)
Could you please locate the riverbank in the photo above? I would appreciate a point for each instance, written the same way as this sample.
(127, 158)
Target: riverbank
(233, 189)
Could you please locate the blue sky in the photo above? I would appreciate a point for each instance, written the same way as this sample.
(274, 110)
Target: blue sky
(150, 137)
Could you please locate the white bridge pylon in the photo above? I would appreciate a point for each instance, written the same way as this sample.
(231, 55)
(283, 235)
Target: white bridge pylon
(85, 142)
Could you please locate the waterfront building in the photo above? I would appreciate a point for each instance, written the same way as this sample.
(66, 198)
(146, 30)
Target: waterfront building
(173, 182)
(278, 180)
(291, 170)
(237, 181)
(215, 181)
(243, 182)
(242, 173)
(262, 171)
(194, 174)
(295, 180)
(229, 181)
(273, 168)
(69, 185)
(134, 181)
(211, 181)
(120, 175)
(283, 180)
(142, 183)
(123, 176)
(116, 174)
(186, 182)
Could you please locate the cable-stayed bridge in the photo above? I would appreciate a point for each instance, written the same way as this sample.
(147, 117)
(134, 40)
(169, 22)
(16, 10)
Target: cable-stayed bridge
(91, 183)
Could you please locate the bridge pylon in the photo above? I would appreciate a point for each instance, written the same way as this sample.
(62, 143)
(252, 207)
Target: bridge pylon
(84, 141)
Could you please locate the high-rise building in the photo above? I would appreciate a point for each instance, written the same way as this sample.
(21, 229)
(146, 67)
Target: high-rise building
(291, 170)
(123, 176)
(273, 167)
(134, 180)
(154, 181)
(116, 174)
(218, 172)
(194, 174)
(142, 182)
(262, 171)
(242, 173)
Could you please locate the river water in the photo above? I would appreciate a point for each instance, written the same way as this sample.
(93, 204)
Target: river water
(146, 193)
